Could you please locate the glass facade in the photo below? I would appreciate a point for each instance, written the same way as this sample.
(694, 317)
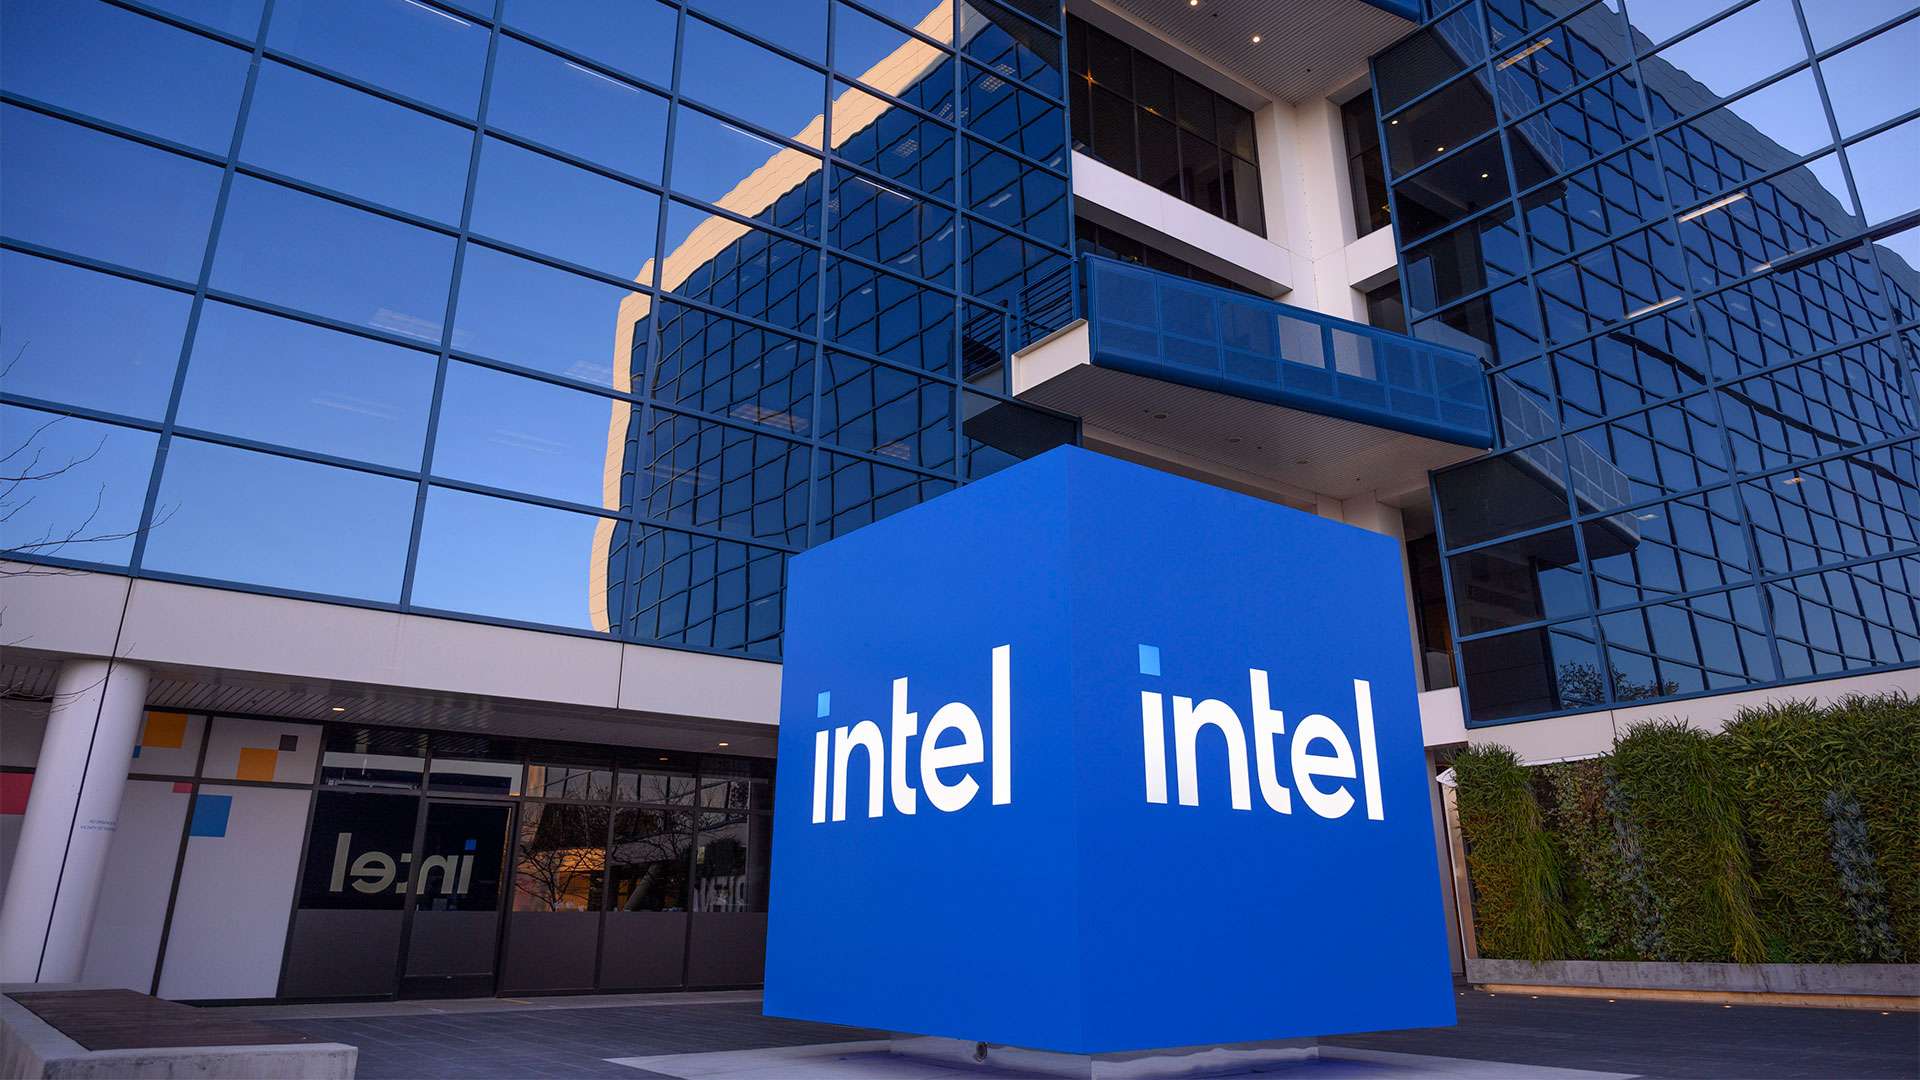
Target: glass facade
(1162, 128)
(579, 316)
(1683, 238)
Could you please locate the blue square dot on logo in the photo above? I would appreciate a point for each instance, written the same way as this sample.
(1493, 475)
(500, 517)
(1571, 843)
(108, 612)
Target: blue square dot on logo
(471, 843)
(1149, 659)
(825, 704)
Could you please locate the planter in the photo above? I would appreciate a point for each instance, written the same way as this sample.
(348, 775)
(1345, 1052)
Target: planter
(1797, 980)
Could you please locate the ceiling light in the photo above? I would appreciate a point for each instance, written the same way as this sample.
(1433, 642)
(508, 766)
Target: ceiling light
(720, 744)
(339, 708)
(663, 758)
(1256, 39)
(1483, 176)
(1193, 3)
(1439, 149)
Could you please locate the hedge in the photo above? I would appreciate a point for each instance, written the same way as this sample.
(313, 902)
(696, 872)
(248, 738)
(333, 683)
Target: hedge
(1793, 836)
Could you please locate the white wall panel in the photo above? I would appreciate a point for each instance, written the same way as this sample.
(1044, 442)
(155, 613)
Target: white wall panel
(125, 941)
(236, 891)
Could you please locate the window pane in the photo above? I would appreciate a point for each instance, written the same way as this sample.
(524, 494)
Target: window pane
(82, 338)
(797, 25)
(1698, 161)
(1687, 647)
(730, 863)
(851, 492)
(1011, 46)
(633, 37)
(1846, 620)
(996, 109)
(1469, 181)
(561, 865)
(1857, 80)
(82, 488)
(278, 381)
(509, 431)
(1737, 51)
(1521, 581)
(647, 864)
(733, 369)
(374, 757)
(510, 560)
(1680, 546)
(1016, 195)
(319, 256)
(1832, 24)
(738, 77)
(548, 779)
(110, 63)
(1532, 671)
(715, 594)
(1883, 171)
(524, 313)
(408, 48)
(746, 173)
(873, 51)
(886, 411)
(1818, 407)
(1428, 58)
(234, 515)
(538, 202)
(90, 193)
(896, 143)
(1667, 449)
(889, 316)
(1845, 508)
(1496, 496)
(745, 270)
(1437, 124)
(240, 17)
(550, 100)
(725, 478)
(320, 131)
(932, 18)
(889, 226)
(995, 434)
(1659, 21)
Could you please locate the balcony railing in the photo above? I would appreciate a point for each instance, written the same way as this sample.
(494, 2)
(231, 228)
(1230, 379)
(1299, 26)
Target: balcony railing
(1154, 324)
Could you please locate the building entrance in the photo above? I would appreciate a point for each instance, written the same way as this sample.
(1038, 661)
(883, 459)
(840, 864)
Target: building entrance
(452, 929)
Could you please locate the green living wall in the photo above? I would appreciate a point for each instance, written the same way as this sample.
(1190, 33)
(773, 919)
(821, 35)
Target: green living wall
(1793, 836)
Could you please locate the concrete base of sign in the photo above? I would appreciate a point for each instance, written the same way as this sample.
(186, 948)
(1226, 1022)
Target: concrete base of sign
(32, 1049)
(1177, 1062)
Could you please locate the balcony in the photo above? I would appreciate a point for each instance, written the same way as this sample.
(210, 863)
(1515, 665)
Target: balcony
(1293, 396)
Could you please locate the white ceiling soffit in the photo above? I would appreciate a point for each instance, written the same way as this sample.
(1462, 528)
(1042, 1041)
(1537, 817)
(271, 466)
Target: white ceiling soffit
(1307, 49)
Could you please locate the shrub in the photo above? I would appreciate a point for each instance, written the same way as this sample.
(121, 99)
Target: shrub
(1598, 881)
(1519, 912)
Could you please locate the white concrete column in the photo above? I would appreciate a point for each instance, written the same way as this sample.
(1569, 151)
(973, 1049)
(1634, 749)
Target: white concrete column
(71, 817)
(1368, 512)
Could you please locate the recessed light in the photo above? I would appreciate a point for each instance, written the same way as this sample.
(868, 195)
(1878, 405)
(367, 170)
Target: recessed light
(1393, 123)
(663, 759)
(339, 708)
(1439, 149)
(1193, 3)
(720, 744)
(1256, 39)
(1483, 176)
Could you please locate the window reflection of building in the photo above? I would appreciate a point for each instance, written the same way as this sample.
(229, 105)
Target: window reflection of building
(1689, 331)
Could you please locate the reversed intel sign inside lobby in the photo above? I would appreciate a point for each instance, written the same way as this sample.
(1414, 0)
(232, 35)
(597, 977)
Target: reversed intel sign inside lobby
(1085, 757)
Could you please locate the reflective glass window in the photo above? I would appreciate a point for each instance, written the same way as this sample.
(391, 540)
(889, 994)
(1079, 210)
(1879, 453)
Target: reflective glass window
(898, 144)
(116, 65)
(648, 861)
(1500, 327)
(889, 316)
(512, 560)
(1366, 175)
(1831, 24)
(734, 75)
(1577, 129)
(705, 592)
(1428, 58)
(1846, 620)
(1543, 64)
(81, 489)
(1817, 407)
(1859, 80)
(375, 757)
(526, 313)
(886, 411)
(560, 863)
(1466, 260)
(1012, 116)
(797, 25)
(748, 271)
(636, 38)
(1667, 449)
(1711, 154)
(1883, 172)
(726, 478)
(1613, 373)
(274, 380)
(983, 346)
(1770, 321)
(730, 368)
(995, 434)
(1035, 281)
(575, 109)
(1659, 20)
(1636, 275)
(322, 257)
(1532, 671)
(732, 167)
(1592, 204)
(241, 17)
(889, 226)
(261, 519)
(509, 431)
(1437, 123)
(406, 47)
(877, 52)
(69, 187)
(850, 492)
(1451, 190)
(1749, 229)
(328, 134)
(730, 863)
(475, 765)
(527, 198)
(1737, 51)
(1016, 195)
(82, 338)
(1831, 511)
(1682, 545)
(1687, 647)
(929, 17)
(569, 773)
(1495, 496)
(1519, 581)
(1010, 45)
(657, 778)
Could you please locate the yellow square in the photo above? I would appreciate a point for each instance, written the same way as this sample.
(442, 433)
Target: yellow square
(165, 730)
(256, 763)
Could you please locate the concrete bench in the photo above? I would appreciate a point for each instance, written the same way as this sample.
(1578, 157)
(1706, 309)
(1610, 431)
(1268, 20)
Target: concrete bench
(81, 1032)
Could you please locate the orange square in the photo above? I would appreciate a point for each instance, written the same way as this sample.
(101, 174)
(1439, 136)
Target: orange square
(256, 763)
(165, 730)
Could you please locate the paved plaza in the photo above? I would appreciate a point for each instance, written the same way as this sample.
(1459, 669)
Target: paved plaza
(722, 1036)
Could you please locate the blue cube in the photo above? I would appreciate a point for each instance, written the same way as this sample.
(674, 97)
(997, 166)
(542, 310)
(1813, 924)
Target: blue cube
(1086, 757)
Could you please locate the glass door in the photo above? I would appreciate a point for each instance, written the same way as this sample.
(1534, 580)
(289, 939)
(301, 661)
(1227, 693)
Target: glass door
(457, 882)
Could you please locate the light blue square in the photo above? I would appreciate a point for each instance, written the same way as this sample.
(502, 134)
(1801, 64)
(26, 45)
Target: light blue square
(1149, 659)
(824, 704)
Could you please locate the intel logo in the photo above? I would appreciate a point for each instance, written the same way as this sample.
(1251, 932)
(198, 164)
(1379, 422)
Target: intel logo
(1322, 761)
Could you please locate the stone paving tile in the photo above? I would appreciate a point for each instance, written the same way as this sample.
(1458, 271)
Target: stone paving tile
(1636, 1037)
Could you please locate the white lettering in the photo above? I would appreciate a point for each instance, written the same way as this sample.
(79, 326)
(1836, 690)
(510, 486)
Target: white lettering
(1307, 765)
(373, 872)
(863, 735)
(904, 725)
(1153, 737)
(946, 797)
(1269, 724)
(1188, 719)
